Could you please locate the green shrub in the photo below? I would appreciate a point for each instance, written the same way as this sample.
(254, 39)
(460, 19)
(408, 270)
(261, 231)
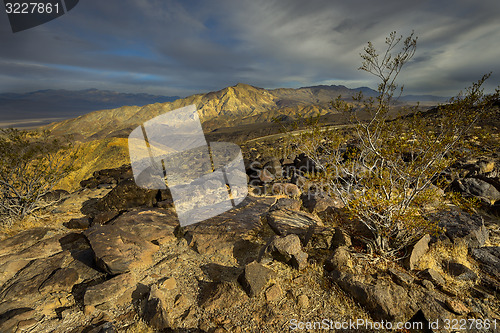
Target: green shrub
(383, 170)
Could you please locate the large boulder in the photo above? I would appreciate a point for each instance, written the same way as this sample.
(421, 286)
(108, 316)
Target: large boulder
(225, 235)
(462, 226)
(481, 188)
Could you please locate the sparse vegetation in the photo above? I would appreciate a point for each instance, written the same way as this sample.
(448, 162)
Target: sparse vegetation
(383, 170)
(31, 164)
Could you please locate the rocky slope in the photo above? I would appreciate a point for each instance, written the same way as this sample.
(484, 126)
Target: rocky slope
(112, 258)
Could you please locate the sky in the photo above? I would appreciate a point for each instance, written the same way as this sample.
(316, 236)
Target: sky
(185, 47)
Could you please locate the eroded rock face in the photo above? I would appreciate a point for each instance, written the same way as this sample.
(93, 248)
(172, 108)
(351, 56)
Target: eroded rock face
(140, 263)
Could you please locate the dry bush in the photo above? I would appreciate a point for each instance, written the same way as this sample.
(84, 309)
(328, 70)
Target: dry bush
(31, 164)
(383, 171)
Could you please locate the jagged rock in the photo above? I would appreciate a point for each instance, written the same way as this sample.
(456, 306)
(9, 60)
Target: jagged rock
(117, 289)
(417, 251)
(384, 299)
(389, 301)
(11, 264)
(11, 322)
(319, 237)
(124, 196)
(287, 221)
(154, 225)
(117, 251)
(108, 176)
(255, 278)
(462, 226)
(107, 327)
(222, 295)
(288, 203)
(273, 166)
(287, 249)
(78, 223)
(105, 217)
(489, 259)
(433, 276)
(167, 309)
(401, 278)
(459, 271)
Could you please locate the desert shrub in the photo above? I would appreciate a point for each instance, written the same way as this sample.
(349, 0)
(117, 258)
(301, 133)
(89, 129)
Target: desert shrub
(384, 168)
(31, 164)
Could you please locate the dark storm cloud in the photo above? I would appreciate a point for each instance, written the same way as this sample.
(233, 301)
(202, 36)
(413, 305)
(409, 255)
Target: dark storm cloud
(184, 47)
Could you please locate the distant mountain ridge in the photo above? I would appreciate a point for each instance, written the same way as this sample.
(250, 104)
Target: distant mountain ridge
(62, 103)
(240, 104)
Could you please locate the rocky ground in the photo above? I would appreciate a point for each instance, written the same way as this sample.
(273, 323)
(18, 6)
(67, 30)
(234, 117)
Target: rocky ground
(111, 257)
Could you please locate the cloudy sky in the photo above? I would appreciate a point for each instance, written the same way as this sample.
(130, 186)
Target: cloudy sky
(185, 47)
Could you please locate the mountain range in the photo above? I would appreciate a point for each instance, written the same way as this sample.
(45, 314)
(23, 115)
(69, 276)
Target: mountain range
(49, 105)
(233, 106)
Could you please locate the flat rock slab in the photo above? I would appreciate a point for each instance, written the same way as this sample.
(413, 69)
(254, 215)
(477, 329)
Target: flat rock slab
(12, 263)
(489, 258)
(25, 286)
(117, 251)
(154, 225)
(463, 226)
(286, 221)
(22, 240)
